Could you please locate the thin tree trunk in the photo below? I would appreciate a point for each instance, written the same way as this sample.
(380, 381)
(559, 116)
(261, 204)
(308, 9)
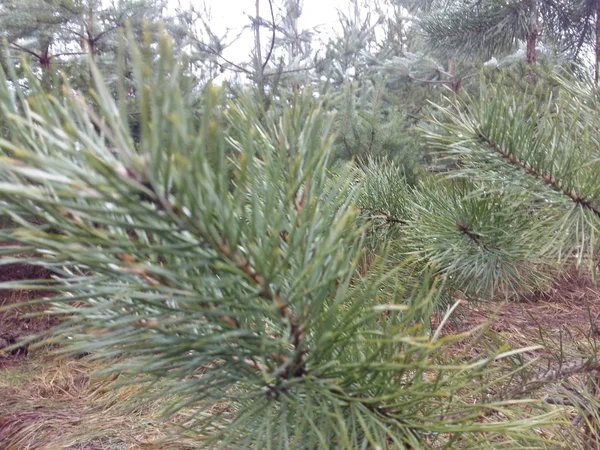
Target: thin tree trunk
(532, 35)
(45, 59)
(531, 41)
(45, 65)
(597, 69)
(91, 32)
(259, 75)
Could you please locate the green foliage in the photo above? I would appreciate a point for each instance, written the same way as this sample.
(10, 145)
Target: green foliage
(369, 126)
(482, 242)
(281, 270)
(509, 141)
(485, 28)
(59, 35)
(217, 261)
(384, 189)
(465, 28)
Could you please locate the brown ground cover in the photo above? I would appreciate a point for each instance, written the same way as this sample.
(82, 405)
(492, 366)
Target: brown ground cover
(52, 402)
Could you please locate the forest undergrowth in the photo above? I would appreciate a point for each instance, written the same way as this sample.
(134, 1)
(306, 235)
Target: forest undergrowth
(52, 401)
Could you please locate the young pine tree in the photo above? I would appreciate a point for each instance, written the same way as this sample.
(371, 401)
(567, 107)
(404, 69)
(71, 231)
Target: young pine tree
(218, 262)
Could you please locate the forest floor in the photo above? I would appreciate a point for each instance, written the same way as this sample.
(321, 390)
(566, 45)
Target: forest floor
(568, 310)
(51, 402)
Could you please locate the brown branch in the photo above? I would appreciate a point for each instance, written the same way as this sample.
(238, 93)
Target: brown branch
(464, 229)
(26, 50)
(296, 332)
(386, 216)
(108, 30)
(57, 55)
(548, 376)
(268, 57)
(79, 35)
(212, 51)
(296, 367)
(552, 375)
(556, 185)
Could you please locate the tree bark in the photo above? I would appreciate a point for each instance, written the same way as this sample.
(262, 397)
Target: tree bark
(90, 33)
(597, 49)
(532, 35)
(45, 59)
(259, 74)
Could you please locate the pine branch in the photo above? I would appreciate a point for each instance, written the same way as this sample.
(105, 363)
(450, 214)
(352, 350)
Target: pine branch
(386, 216)
(553, 375)
(268, 57)
(190, 271)
(464, 229)
(555, 184)
(559, 373)
(296, 368)
(267, 292)
(212, 51)
(26, 50)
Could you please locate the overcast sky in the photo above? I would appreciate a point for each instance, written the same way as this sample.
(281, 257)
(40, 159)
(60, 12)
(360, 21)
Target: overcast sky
(233, 14)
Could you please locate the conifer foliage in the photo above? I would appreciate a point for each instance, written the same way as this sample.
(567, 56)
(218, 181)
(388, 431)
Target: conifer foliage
(217, 262)
(282, 268)
(510, 141)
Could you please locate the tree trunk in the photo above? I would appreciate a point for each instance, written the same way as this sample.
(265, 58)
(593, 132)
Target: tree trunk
(45, 59)
(532, 35)
(91, 43)
(531, 41)
(531, 38)
(92, 48)
(597, 68)
(258, 70)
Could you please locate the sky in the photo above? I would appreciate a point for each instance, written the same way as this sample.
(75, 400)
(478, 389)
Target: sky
(233, 14)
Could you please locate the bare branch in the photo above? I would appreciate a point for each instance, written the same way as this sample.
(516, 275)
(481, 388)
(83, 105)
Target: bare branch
(26, 50)
(557, 374)
(272, 38)
(108, 30)
(212, 51)
(58, 55)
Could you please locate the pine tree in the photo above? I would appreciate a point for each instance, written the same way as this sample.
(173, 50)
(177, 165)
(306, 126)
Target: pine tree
(491, 28)
(278, 266)
(546, 148)
(219, 262)
(64, 32)
(585, 31)
(34, 28)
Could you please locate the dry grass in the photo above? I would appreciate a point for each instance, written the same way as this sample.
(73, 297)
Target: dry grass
(51, 403)
(569, 310)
